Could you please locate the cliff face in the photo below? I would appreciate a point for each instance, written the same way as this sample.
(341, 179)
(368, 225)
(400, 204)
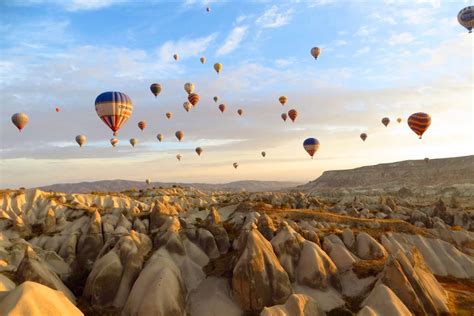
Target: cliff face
(410, 174)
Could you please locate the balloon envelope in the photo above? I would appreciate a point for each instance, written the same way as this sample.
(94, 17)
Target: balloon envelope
(315, 52)
(187, 106)
(155, 89)
(399, 120)
(283, 100)
(114, 109)
(189, 87)
(235, 165)
(142, 125)
(179, 135)
(176, 56)
(363, 136)
(81, 140)
(202, 59)
(199, 151)
(133, 142)
(264, 154)
(466, 18)
(284, 116)
(419, 123)
(58, 110)
(160, 137)
(193, 98)
(218, 67)
(114, 141)
(169, 115)
(222, 107)
(20, 120)
(178, 156)
(311, 145)
(216, 98)
(240, 112)
(293, 114)
(385, 121)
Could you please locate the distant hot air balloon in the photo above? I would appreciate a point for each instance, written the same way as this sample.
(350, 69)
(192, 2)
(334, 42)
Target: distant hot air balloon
(427, 159)
(199, 151)
(160, 137)
(142, 125)
(293, 114)
(20, 120)
(284, 116)
(385, 121)
(216, 98)
(193, 98)
(283, 100)
(208, 9)
(179, 135)
(202, 59)
(315, 51)
(133, 141)
(155, 89)
(147, 181)
(240, 112)
(218, 67)
(235, 164)
(419, 122)
(311, 145)
(169, 115)
(114, 108)
(263, 154)
(81, 140)
(187, 106)
(363, 136)
(222, 107)
(58, 110)
(178, 156)
(466, 18)
(189, 87)
(114, 141)
(176, 56)
(399, 120)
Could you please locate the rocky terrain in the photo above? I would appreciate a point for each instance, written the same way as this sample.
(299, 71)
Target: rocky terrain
(182, 251)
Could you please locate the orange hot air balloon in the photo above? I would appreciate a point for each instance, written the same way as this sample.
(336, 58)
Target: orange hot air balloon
(142, 125)
(20, 120)
(155, 89)
(187, 106)
(363, 136)
(216, 98)
(419, 123)
(284, 116)
(218, 67)
(199, 151)
(283, 100)
(240, 112)
(202, 59)
(193, 98)
(385, 121)
(315, 52)
(399, 120)
(169, 115)
(179, 135)
(293, 114)
(58, 110)
(222, 107)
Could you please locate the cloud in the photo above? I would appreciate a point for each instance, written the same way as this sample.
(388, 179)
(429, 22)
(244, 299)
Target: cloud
(365, 31)
(72, 5)
(363, 50)
(233, 40)
(185, 47)
(274, 18)
(401, 39)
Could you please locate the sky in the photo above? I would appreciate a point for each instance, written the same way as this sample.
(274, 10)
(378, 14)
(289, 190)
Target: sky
(379, 58)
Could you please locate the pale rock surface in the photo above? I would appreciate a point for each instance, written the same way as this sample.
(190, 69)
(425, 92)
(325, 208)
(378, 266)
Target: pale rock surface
(368, 248)
(382, 301)
(6, 284)
(296, 305)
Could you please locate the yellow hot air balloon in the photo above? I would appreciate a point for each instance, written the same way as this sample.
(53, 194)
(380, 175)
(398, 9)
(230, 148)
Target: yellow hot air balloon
(199, 151)
(20, 120)
(187, 106)
(133, 141)
(315, 52)
(283, 100)
(179, 135)
(218, 67)
(160, 137)
(189, 87)
(81, 140)
(399, 120)
(114, 141)
(169, 115)
(202, 59)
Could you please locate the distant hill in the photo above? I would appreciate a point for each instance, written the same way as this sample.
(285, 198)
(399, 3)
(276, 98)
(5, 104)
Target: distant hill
(409, 174)
(122, 185)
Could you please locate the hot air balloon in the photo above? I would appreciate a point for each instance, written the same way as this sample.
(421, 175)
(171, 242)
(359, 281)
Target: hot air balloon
(240, 112)
(216, 98)
(466, 18)
(176, 56)
(160, 137)
(114, 141)
(208, 9)
(189, 87)
(202, 59)
(222, 107)
(399, 120)
(419, 122)
(199, 151)
(311, 145)
(315, 51)
(155, 89)
(263, 154)
(147, 181)
(385, 121)
(363, 136)
(235, 165)
(178, 156)
(133, 141)
(142, 125)
(20, 120)
(283, 100)
(284, 116)
(58, 110)
(179, 135)
(293, 114)
(169, 115)
(193, 98)
(218, 67)
(114, 108)
(427, 159)
(81, 140)
(187, 106)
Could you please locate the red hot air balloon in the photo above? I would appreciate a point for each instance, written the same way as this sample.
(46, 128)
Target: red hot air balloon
(193, 98)
(142, 125)
(419, 123)
(222, 107)
(293, 114)
(20, 120)
(58, 110)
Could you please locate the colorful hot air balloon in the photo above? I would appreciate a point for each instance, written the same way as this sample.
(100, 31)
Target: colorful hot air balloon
(315, 51)
(216, 98)
(235, 164)
(133, 141)
(385, 121)
(293, 114)
(284, 116)
(179, 135)
(176, 56)
(202, 59)
(419, 122)
(58, 110)
(114, 108)
(222, 107)
(427, 159)
(399, 120)
(199, 151)
(169, 115)
(283, 100)
(218, 67)
(155, 89)
(189, 87)
(187, 106)
(80, 140)
(363, 136)
(160, 137)
(240, 112)
(466, 18)
(20, 120)
(178, 156)
(193, 98)
(142, 125)
(114, 141)
(147, 181)
(263, 154)
(311, 145)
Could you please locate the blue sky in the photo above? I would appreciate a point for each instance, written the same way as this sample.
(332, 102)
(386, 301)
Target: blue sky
(379, 58)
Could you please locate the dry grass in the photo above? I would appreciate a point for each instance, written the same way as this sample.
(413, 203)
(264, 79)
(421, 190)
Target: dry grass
(461, 295)
(366, 268)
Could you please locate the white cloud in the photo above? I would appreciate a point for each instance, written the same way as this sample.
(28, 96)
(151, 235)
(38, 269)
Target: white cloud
(185, 48)
(274, 18)
(314, 3)
(400, 39)
(365, 31)
(233, 40)
(384, 18)
(363, 50)
(79, 5)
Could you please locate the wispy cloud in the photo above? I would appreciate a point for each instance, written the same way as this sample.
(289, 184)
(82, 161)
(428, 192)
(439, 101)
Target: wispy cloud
(233, 40)
(362, 51)
(365, 31)
(400, 39)
(274, 17)
(72, 5)
(185, 48)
